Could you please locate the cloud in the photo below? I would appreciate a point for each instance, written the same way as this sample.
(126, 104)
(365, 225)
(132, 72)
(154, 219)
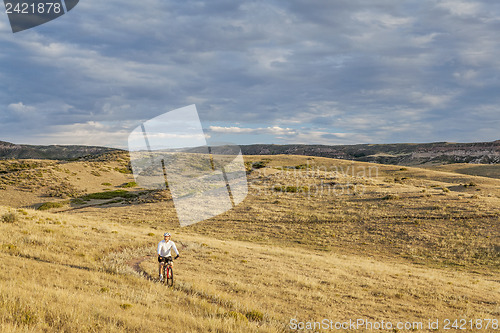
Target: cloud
(291, 135)
(20, 108)
(89, 133)
(275, 130)
(460, 8)
(380, 70)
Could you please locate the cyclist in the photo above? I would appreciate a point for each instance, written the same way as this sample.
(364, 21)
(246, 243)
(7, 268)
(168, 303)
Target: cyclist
(163, 251)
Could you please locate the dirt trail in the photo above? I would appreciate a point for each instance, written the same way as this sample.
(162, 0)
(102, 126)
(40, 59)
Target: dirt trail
(225, 304)
(135, 264)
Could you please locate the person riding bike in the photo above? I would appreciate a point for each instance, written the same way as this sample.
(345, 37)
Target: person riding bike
(163, 251)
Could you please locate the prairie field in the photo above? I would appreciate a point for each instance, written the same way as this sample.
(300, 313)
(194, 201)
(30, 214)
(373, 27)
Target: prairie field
(316, 238)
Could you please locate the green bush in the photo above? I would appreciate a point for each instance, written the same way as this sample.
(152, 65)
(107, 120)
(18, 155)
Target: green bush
(109, 195)
(123, 170)
(22, 211)
(259, 165)
(50, 205)
(107, 184)
(291, 189)
(254, 315)
(236, 315)
(9, 218)
(129, 184)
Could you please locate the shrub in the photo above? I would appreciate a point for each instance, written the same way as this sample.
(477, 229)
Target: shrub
(125, 306)
(25, 317)
(109, 195)
(22, 211)
(129, 184)
(50, 205)
(254, 315)
(391, 197)
(63, 190)
(291, 189)
(9, 218)
(11, 248)
(107, 184)
(260, 164)
(123, 170)
(236, 315)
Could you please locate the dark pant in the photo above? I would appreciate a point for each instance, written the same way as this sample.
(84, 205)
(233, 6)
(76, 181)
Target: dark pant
(165, 259)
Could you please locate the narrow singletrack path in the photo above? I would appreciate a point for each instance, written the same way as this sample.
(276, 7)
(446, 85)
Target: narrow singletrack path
(135, 264)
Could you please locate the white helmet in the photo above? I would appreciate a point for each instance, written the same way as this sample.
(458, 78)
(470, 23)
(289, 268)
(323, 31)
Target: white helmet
(166, 234)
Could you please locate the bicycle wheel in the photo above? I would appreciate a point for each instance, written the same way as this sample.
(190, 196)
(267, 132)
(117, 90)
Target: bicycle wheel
(169, 276)
(162, 272)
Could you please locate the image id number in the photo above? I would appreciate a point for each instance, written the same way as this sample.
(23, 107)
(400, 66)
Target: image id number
(472, 324)
(39, 8)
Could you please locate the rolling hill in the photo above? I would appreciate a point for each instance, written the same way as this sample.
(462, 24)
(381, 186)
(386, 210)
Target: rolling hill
(396, 154)
(315, 238)
(53, 152)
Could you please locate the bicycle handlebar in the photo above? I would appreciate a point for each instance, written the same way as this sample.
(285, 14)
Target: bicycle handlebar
(173, 258)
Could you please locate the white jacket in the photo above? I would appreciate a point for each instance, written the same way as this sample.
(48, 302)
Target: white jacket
(164, 248)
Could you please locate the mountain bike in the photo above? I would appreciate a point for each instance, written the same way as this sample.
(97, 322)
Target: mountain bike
(168, 272)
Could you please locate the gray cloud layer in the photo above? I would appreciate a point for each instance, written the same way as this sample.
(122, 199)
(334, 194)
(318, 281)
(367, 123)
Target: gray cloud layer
(260, 71)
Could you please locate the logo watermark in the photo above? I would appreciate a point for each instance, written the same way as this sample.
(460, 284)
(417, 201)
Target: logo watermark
(313, 180)
(171, 151)
(387, 325)
(26, 14)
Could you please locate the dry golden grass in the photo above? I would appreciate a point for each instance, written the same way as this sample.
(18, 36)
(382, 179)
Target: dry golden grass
(65, 274)
(402, 244)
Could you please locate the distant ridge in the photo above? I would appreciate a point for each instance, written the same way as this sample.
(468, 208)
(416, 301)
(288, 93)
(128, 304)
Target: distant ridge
(52, 152)
(398, 153)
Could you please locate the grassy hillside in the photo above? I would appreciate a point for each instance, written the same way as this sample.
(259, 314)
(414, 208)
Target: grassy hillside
(316, 238)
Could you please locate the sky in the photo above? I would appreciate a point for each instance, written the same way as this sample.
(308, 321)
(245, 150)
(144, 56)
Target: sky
(282, 72)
